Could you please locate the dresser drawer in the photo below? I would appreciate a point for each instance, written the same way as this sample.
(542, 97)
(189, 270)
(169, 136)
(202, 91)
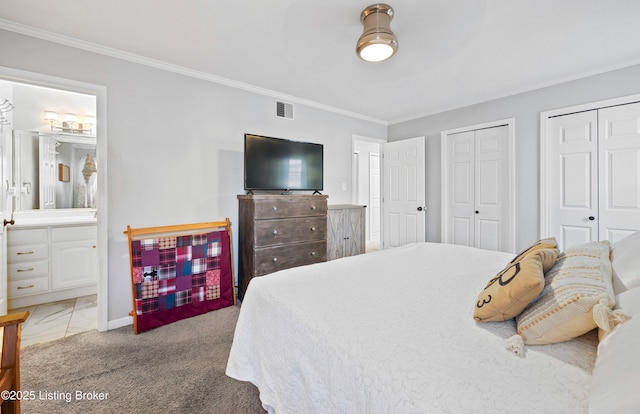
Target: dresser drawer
(28, 269)
(27, 252)
(292, 230)
(28, 286)
(272, 259)
(295, 207)
(27, 236)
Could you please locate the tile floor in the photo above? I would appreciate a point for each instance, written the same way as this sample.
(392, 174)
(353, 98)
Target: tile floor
(49, 321)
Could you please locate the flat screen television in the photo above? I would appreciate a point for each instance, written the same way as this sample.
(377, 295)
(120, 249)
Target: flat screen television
(281, 164)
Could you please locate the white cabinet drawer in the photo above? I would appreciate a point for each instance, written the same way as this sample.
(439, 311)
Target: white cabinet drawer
(28, 269)
(27, 252)
(74, 233)
(28, 286)
(27, 236)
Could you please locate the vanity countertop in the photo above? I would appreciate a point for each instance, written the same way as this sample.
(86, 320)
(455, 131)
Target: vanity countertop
(37, 218)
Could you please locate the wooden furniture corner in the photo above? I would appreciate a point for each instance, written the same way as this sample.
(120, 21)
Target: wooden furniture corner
(10, 366)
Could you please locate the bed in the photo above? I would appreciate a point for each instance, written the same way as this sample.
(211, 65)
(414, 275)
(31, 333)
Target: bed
(392, 332)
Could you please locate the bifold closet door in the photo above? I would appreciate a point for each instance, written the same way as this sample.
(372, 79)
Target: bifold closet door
(594, 175)
(619, 171)
(478, 171)
(573, 182)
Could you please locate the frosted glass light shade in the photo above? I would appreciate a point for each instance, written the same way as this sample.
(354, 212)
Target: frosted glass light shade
(50, 116)
(376, 52)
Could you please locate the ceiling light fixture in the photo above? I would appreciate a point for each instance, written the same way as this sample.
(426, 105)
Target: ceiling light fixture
(377, 42)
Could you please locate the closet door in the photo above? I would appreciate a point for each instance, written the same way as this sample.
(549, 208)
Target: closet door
(461, 200)
(593, 184)
(573, 178)
(477, 207)
(619, 171)
(491, 177)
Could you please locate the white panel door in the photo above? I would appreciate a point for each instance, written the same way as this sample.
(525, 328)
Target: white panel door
(491, 177)
(48, 178)
(461, 210)
(404, 192)
(476, 205)
(573, 169)
(5, 215)
(619, 171)
(375, 204)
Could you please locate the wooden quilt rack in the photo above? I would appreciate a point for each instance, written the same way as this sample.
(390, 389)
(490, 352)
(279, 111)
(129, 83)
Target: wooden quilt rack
(179, 271)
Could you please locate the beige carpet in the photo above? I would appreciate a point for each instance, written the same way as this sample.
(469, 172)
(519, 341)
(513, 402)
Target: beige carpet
(178, 368)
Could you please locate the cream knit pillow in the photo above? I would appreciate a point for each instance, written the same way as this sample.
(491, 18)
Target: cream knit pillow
(579, 279)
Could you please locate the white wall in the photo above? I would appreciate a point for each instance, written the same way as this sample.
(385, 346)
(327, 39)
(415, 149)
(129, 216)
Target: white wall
(525, 108)
(175, 143)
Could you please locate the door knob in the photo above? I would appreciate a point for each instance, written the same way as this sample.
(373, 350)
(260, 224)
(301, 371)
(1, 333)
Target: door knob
(477, 212)
(591, 218)
(420, 208)
(12, 222)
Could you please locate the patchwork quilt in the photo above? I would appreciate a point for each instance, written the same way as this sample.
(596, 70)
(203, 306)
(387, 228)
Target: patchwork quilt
(177, 277)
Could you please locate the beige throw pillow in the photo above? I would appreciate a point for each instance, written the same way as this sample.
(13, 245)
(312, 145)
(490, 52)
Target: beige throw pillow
(548, 243)
(520, 282)
(580, 278)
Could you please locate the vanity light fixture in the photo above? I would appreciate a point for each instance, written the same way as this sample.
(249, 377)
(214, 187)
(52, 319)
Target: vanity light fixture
(70, 123)
(71, 118)
(377, 42)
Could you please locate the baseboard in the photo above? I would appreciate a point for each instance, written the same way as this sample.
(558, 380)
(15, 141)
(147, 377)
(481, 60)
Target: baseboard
(119, 323)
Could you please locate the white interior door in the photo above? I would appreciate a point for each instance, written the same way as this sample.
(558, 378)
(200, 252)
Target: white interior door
(366, 181)
(5, 216)
(573, 183)
(492, 189)
(375, 199)
(477, 188)
(592, 164)
(619, 171)
(461, 198)
(47, 178)
(404, 192)
(5, 211)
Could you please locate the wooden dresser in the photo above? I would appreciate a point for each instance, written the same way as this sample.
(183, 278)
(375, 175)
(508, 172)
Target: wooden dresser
(279, 232)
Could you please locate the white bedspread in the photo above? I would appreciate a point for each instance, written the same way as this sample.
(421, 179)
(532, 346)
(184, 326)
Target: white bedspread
(393, 332)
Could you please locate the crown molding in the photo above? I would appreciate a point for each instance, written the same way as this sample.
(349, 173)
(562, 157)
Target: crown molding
(159, 64)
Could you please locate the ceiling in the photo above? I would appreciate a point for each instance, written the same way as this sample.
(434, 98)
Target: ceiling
(452, 53)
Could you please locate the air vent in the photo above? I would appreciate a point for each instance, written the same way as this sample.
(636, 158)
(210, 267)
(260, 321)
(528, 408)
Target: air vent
(284, 110)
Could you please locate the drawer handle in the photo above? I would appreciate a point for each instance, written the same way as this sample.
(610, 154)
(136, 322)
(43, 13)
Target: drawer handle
(275, 232)
(275, 259)
(313, 253)
(31, 269)
(26, 287)
(29, 252)
(313, 229)
(274, 208)
(313, 207)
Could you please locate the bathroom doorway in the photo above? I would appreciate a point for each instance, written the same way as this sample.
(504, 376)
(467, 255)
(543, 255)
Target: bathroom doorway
(78, 133)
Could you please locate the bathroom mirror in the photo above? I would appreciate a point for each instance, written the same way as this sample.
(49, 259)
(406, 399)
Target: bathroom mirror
(54, 171)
